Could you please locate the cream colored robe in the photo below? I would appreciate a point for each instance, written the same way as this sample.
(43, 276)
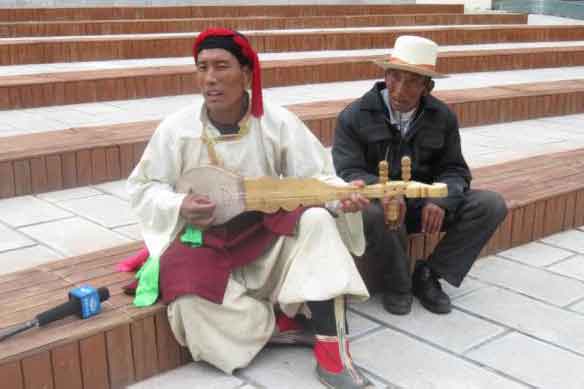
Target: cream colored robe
(315, 265)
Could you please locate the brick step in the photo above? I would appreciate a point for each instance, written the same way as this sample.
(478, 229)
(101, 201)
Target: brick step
(149, 26)
(221, 11)
(93, 48)
(125, 344)
(50, 89)
(74, 157)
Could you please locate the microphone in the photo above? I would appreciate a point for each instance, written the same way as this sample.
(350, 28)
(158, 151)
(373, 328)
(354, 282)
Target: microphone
(84, 302)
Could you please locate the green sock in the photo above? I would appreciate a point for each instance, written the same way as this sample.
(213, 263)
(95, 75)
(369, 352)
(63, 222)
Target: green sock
(148, 275)
(147, 290)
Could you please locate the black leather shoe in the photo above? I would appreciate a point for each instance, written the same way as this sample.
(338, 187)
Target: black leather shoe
(427, 289)
(397, 303)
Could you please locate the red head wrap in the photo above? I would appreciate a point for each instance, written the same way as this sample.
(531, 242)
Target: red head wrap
(257, 106)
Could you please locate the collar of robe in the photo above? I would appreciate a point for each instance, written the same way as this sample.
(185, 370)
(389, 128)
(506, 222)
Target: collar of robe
(211, 135)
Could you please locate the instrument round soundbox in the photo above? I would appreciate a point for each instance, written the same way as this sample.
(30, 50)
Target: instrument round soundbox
(221, 186)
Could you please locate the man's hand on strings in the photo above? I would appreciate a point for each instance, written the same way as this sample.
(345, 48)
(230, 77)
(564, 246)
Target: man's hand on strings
(197, 210)
(355, 202)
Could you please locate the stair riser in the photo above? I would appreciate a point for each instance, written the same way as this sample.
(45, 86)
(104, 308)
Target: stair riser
(190, 25)
(90, 49)
(61, 89)
(114, 13)
(110, 160)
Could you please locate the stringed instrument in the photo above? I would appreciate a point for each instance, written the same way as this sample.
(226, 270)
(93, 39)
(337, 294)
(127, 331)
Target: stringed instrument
(234, 194)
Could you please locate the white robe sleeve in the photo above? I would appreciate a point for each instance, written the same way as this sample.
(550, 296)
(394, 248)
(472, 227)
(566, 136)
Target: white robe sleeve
(151, 189)
(303, 155)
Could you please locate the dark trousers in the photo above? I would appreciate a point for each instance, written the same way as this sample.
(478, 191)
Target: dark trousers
(467, 232)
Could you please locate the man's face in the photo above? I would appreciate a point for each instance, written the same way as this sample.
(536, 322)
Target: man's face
(222, 81)
(405, 89)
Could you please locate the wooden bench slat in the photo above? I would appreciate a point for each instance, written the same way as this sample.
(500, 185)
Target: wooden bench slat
(88, 86)
(570, 211)
(66, 362)
(35, 273)
(94, 366)
(37, 371)
(22, 178)
(215, 11)
(62, 332)
(117, 251)
(120, 359)
(78, 145)
(11, 375)
(69, 49)
(26, 298)
(579, 206)
(144, 348)
(82, 139)
(87, 267)
(168, 348)
(104, 277)
(7, 185)
(35, 278)
(151, 26)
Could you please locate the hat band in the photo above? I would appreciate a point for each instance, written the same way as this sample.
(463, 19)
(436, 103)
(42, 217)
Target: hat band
(398, 61)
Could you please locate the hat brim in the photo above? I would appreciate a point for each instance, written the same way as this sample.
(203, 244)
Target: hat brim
(385, 64)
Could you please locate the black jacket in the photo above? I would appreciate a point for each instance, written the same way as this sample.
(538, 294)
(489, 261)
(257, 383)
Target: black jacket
(364, 136)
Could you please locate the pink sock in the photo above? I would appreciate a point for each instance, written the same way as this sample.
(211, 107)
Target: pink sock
(133, 262)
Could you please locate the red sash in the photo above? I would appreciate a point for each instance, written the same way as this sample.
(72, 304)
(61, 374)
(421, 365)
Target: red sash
(204, 271)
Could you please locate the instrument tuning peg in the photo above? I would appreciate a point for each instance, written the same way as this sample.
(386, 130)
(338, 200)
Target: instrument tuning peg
(406, 164)
(383, 172)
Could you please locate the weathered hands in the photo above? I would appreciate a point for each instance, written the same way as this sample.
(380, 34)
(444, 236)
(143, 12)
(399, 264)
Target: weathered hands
(355, 202)
(197, 210)
(432, 218)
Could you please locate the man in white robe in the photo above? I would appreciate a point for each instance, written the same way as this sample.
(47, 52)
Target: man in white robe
(313, 265)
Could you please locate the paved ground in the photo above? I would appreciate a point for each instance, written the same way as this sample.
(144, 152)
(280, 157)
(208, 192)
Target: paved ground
(518, 319)
(517, 323)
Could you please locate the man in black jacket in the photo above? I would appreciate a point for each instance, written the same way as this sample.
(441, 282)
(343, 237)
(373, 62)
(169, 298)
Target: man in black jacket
(396, 118)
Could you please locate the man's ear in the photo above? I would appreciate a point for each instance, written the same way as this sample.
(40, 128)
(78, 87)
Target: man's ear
(247, 75)
(429, 87)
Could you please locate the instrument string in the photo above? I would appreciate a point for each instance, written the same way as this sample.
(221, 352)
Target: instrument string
(285, 196)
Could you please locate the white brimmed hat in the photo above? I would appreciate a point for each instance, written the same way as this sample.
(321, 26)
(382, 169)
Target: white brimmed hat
(413, 54)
